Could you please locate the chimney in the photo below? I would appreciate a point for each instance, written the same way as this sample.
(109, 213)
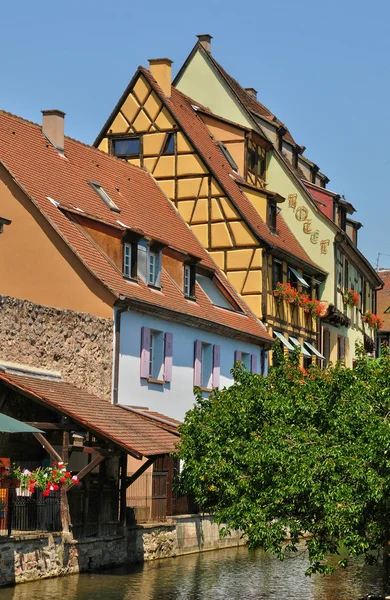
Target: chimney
(161, 69)
(205, 40)
(252, 92)
(53, 127)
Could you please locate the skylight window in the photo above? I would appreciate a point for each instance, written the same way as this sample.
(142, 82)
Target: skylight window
(228, 156)
(104, 196)
(213, 293)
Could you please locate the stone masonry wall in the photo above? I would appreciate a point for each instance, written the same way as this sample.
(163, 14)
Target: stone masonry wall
(40, 557)
(79, 345)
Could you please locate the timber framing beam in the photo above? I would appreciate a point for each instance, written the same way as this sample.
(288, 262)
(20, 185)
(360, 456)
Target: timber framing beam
(94, 463)
(48, 447)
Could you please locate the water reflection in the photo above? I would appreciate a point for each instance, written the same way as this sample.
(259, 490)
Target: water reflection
(227, 574)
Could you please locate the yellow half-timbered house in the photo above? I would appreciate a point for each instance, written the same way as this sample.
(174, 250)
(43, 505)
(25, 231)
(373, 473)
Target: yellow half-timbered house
(197, 158)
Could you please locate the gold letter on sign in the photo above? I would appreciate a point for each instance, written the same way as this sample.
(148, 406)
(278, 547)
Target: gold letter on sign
(315, 236)
(307, 226)
(302, 213)
(292, 201)
(324, 246)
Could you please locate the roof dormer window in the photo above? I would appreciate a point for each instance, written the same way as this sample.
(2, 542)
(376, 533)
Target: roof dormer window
(149, 264)
(228, 156)
(104, 196)
(189, 280)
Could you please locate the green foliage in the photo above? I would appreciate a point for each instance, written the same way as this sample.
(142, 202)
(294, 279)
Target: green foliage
(296, 453)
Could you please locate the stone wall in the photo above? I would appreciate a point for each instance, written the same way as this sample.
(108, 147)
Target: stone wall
(185, 535)
(79, 345)
(29, 558)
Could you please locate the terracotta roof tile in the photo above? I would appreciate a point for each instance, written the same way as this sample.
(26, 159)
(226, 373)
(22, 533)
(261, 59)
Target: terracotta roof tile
(43, 174)
(181, 107)
(129, 431)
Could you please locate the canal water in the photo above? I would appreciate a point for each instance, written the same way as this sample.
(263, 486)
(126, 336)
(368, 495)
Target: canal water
(230, 574)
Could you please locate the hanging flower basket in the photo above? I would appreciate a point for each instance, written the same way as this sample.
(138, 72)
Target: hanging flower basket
(351, 298)
(48, 479)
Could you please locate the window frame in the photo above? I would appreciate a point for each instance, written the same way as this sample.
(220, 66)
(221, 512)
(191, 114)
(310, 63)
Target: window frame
(189, 285)
(126, 138)
(169, 136)
(276, 280)
(101, 192)
(272, 213)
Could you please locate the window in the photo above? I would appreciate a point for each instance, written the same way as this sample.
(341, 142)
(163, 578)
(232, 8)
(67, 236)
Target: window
(126, 147)
(156, 355)
(339, 267)
(104, 196)
(346, 274)
(342, 219)
(127, 259)
(271, 215)
(213, 293)
(206, 365)
(169, 145)
(296, 276)
(249, 360)
(340, 347)
(256, 163)
(292, 278)
(228, 156)
(154, 268)
(277, 272)
(189, 281)
(149, 264)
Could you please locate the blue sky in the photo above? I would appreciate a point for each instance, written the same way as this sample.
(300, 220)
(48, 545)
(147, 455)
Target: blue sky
(321, 67)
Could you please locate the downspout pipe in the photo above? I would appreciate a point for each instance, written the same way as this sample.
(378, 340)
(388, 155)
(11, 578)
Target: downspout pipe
(118, 320)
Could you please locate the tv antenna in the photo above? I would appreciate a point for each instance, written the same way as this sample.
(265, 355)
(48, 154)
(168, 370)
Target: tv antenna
(377, 259)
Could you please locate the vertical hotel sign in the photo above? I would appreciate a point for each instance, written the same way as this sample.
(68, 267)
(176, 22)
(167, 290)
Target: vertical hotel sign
(302, 215)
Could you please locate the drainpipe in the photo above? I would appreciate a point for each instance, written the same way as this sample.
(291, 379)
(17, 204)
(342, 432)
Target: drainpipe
(117, 346)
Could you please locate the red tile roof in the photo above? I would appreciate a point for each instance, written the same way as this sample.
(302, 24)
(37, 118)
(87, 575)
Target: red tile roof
(131, 432)
(383, 298)
(181, 108)
(43, 173)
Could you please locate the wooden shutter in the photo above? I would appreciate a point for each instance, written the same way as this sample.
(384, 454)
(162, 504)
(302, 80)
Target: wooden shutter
(145, 352)
(198, 363)
(253, 363)
(216, 365)
(237, 356)
(168, 353)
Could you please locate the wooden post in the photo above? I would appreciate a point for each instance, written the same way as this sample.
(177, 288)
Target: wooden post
(10, 508)
(64, 504)
(102, 476)
(123, 488)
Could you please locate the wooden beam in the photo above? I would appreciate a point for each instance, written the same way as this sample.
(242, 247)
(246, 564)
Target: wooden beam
(48, 447)
(60, 426)
(122, 490)
(142, 469)
(91, 450)
(94, 463)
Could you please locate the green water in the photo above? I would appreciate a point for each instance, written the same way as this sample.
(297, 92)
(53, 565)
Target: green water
(222, 575)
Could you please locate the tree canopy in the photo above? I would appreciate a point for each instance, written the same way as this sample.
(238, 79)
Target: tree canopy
(295, 453)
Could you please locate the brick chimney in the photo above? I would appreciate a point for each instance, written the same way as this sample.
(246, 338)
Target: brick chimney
(53, 127)
(252, 92)
(161, 69)
(205, 40)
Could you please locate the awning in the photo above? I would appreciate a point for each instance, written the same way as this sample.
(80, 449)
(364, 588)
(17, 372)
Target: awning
(297, 343)
(314, 350)
(299, 277)
(10, 425)
(283, 340)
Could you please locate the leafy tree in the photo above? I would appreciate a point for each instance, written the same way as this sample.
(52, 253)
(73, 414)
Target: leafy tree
(295, 453)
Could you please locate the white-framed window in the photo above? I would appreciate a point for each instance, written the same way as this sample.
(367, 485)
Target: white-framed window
(152, 267)
(127, 259)
(149, 264)
(156, 355)
(187, 280)
(206, 368)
